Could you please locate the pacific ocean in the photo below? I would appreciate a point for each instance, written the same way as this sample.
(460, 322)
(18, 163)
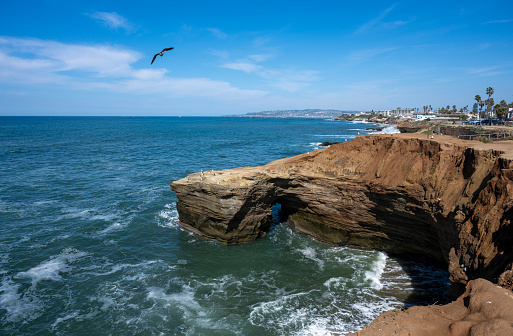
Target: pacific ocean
(90, 245)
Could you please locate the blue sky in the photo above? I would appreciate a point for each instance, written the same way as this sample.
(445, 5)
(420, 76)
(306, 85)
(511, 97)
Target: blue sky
(232, 57)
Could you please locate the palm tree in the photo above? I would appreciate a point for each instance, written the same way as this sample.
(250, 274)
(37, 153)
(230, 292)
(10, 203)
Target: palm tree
(489, 91)
(489, 105)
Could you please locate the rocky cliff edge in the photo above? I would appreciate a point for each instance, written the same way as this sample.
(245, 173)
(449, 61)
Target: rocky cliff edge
(445, 200)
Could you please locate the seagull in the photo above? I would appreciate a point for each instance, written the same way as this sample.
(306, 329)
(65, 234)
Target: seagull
(160, 54)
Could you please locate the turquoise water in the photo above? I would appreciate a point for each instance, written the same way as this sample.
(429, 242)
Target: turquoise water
(89, 241)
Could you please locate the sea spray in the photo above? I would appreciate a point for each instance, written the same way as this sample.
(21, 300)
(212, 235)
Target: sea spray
(374, 275)
(389, 130)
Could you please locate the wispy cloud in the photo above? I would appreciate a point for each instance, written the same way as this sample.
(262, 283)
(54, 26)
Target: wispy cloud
(360, 56)
(378, 21)
(112, 20)
(217, 33)
(483, 46)
(290, 79)
(219, 53)
(499, 21)
(243, 66)
(486, 71)
(33, 61)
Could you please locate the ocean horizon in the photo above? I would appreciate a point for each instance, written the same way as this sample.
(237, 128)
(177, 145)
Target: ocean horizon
(90, 241)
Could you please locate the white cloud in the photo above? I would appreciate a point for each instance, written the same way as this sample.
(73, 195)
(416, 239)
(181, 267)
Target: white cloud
(485, 72)
(55, 57)
(219, 53)
(112, 20)
(33, 61)
(260, 58)
(378, 22)
(290, 80)
(217, 33)
(243, 66)
(499, 21)
(360, 56)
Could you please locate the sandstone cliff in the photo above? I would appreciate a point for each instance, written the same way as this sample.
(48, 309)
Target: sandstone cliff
(445, 200)
(483, 310)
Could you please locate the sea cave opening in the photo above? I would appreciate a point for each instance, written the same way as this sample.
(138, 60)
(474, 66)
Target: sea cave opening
(279, 215)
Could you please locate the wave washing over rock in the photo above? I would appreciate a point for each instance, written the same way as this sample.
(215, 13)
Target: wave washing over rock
(446, 201)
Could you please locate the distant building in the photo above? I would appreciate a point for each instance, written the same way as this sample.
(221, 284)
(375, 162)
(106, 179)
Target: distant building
(401, 112)
(424, 115)
(384, 113)
(449, 117)
(509, 115)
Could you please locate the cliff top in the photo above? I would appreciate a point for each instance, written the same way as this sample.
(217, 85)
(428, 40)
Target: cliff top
(503, 146)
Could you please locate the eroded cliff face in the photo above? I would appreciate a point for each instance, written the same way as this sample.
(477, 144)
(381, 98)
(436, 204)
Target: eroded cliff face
(441, 200)
(483, 310)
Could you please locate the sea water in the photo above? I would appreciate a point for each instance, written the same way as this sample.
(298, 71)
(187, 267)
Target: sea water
(90, 245)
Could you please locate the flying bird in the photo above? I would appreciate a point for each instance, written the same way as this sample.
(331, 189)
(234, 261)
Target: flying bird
(160, 54)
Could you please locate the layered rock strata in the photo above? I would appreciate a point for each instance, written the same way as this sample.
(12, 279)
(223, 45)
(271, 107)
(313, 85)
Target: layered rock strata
(483, 310)
(445, 200)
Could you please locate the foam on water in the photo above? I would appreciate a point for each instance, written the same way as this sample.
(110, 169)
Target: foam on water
(169, 216)
(311, 254)
(336, 136)
(113, 227)
(389, 130)
(374, 275)
(18, 306)
(52, 269)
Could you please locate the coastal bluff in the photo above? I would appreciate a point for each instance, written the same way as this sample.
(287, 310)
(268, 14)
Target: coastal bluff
(444, 200)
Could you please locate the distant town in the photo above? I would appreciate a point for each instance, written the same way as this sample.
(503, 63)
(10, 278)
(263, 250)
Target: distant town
(308, 113)
(482, 110)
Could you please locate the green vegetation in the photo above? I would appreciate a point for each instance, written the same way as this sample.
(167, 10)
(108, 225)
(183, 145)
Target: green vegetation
(484, 140)
(429, 131)
(484, 108)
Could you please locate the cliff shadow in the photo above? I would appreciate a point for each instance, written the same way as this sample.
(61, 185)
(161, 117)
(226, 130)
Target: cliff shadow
(429, 281)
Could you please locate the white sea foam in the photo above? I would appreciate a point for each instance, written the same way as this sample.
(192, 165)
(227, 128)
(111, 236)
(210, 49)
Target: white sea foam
(298, 314)
(184, 299)
(389, 130)
(374, 275)
(168, 216)
(18, 307)
(336, 283)
(283, 311)
(311, 254)
(112, 227)
(370, 310)
(123, 267)
(52, 269)
(73, 212)
(334, 135)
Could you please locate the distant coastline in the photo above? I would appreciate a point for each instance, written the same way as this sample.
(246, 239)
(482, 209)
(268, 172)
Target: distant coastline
(307, 113)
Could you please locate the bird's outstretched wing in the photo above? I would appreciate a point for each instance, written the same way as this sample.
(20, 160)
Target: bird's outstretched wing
(153, 60)
(167, 49)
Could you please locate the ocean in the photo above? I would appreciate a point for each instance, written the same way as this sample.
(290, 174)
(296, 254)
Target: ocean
(90, 245)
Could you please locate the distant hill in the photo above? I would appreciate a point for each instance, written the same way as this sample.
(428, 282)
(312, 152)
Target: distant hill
(309, 113)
